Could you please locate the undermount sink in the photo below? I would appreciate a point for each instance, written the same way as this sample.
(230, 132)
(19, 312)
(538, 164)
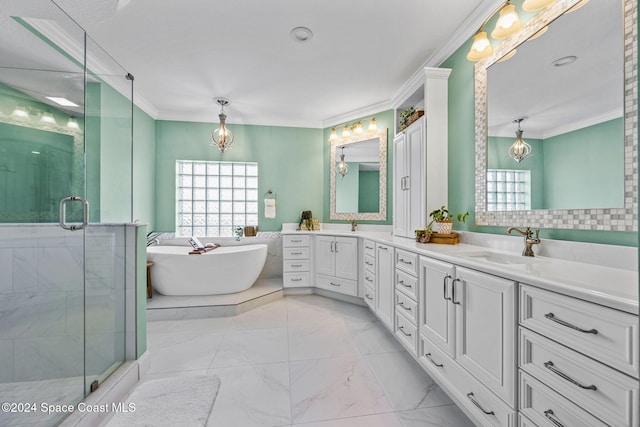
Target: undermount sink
(499, 258)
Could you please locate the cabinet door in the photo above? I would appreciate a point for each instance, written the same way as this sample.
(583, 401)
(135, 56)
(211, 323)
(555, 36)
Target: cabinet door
(325, 255)
(346, 254)
(437, 313)
(385, 284)
(415, 152)
(486, 329)
(399, 194)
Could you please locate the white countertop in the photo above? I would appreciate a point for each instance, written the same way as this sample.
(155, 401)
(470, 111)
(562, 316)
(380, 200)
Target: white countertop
(611, 287)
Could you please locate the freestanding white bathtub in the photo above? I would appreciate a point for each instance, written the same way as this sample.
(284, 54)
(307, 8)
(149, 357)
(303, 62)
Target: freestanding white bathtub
(224, 270)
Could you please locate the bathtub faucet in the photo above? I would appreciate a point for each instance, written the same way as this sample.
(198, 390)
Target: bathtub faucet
(237, 233)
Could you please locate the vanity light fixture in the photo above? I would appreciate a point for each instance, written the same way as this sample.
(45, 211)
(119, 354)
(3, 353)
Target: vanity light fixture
(222, 137)
(48, 118)
(20, 113)
(520, 150)
(508, 24)
(355, 129)
(73, 123)
(342, 169)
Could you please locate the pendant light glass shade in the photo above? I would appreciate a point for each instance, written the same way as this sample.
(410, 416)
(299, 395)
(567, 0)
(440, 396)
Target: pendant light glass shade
(222, 137)
(508, 23)
(357, 129)
(342, 169)
(481, 47)
(533, 5)
(520, 150)
(48, 118)
(73, 123)
(346, 133)
(20, 113)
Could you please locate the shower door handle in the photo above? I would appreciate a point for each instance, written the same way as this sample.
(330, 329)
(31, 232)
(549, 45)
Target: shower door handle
(63, 213)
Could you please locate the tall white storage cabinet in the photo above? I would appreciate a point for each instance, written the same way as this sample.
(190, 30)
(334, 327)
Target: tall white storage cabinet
(420, 157)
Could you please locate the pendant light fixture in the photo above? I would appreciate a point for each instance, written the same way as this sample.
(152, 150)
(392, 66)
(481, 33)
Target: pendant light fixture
(222, 137)
(508, 23)
(520, 150)
(342, 169)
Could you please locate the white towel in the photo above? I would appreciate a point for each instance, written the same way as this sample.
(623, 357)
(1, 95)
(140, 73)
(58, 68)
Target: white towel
(269, 208)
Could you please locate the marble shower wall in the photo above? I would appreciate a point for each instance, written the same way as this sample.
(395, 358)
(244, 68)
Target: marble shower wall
(43, 322)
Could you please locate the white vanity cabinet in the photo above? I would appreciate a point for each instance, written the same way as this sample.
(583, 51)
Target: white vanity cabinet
(409, 211)
(296, 264)
(369, 274)
(467, 319)
(336, 264)
(384, 282)
(586, 353)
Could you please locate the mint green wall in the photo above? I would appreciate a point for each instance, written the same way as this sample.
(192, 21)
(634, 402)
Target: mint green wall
(369, 191)
(462, 160)
(346, 188)
(497, 158)
(384, 119)
(598, 182)
(144, 159)
(115, 156)
(290, 163)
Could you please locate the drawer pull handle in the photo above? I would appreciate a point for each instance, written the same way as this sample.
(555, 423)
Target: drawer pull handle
(334, 284)
(368, 297)
(444, 283)
(368, 279)
(296, 265)
(549, 365)
(369, 247)
(549, 414)
(405, 262)
(369, 263)
(453, 291)
(296, 280)
(428, 356)
(384, 248)
(296, 241)
(296, 253)
(401, 328)
(401, 304)
(401, 282)
(475, 402)
(552, 317)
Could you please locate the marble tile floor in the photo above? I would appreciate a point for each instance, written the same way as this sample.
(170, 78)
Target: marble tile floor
(302, 361)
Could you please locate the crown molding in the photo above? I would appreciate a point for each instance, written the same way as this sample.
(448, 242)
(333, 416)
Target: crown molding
(356, 114)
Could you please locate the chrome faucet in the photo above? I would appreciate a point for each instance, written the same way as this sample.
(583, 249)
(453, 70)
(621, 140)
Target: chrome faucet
(529, 240)
(354, 224)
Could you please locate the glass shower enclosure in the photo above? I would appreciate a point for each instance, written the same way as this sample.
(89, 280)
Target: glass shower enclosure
(65, 197)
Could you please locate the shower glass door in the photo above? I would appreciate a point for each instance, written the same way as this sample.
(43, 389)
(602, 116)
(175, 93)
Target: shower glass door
(61, 280)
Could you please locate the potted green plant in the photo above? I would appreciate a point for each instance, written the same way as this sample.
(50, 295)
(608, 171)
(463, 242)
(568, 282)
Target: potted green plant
(423, 235)
(445, 219)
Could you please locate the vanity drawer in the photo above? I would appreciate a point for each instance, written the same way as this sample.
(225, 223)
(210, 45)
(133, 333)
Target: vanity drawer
(369, 279)
(369, 248)
(488, 409)
(607, 393)
(407, 261)
(407, 284)
(295, 253)
(408, 333)
(370, 263)
(370, 296)
(407, 306)
(545, 407)
(290, 241)
(292, 280)
(607, 335)
(295, 265)
(343, 286)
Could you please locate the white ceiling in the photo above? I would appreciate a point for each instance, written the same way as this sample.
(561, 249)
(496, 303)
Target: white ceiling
(185, 53)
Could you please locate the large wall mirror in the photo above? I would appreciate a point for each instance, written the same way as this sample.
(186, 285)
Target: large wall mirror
(571, 84)
(358, 170)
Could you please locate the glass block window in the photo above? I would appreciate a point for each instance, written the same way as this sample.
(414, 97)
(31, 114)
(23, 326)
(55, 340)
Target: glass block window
(508, 190)
(214, 197)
